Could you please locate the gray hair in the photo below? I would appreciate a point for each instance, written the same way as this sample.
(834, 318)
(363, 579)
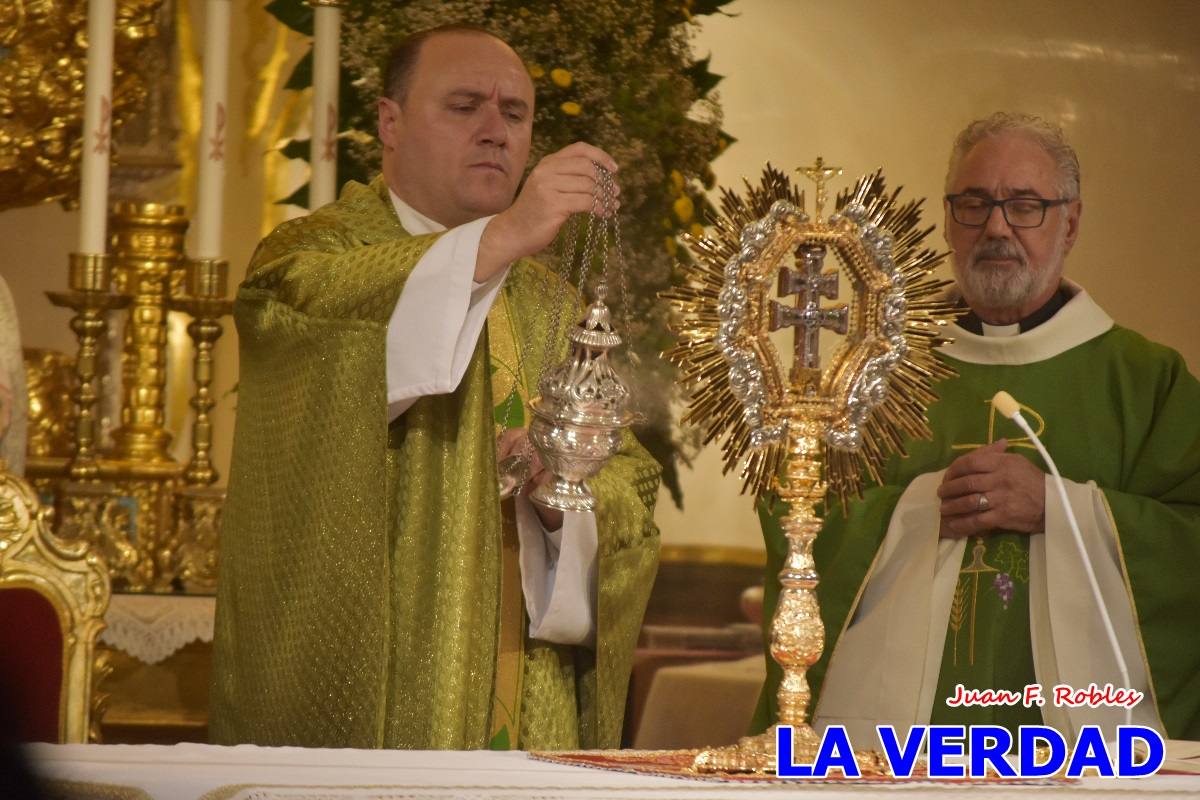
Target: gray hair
(1048, 135)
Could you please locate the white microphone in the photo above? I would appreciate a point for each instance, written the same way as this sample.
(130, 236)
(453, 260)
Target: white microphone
(1006, 405)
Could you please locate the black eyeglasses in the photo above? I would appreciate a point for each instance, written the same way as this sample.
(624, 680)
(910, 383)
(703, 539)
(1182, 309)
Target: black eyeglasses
(973, 211)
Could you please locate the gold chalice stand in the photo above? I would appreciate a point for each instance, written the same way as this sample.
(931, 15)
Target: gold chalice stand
(815, 430)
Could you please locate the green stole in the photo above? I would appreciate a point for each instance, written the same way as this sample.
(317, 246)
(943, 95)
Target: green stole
(1117, 410)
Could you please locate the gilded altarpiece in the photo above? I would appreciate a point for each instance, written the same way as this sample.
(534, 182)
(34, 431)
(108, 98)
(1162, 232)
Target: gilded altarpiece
(99, 446)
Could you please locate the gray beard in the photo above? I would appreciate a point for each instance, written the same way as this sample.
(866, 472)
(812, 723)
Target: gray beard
(995, 287)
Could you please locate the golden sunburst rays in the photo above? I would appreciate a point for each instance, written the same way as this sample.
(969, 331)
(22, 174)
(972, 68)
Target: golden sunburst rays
(879, 380)
(703, 368)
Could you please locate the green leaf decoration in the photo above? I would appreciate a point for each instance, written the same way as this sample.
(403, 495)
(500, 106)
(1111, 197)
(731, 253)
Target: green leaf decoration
(297, 148)
(515, 411)
(701, 78)
(1013, 560)
(301, 77)
(701, 7)
(500, 741)
(296, 198)
(295, 14)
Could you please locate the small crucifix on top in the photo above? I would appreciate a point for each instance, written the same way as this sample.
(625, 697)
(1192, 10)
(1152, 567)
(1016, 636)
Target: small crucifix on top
(819, 174)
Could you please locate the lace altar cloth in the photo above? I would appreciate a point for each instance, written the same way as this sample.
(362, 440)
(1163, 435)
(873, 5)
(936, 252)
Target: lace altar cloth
(152, 627)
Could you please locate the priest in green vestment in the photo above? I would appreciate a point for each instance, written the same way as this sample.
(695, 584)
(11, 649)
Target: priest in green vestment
(961, 570)
(374, 590)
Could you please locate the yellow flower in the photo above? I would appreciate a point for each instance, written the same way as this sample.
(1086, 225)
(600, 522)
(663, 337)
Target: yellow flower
(571, 109)
(523, 11)
(672, 246)
(536, 72)
(697, 230)
(667, 224)
(684, 208)
(561, 77)
(677, 180)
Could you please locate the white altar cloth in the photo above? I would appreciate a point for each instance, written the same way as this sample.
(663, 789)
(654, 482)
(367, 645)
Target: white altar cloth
(246, 772)
(153, 627)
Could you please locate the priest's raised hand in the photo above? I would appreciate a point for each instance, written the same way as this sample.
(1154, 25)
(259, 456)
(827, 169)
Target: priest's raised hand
(562, 184)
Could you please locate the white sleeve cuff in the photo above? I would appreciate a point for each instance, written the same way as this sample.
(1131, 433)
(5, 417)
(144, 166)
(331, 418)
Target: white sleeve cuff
(437, 320)
(558, 575)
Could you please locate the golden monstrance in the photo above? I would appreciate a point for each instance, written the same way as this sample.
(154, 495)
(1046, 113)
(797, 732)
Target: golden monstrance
(813, 430)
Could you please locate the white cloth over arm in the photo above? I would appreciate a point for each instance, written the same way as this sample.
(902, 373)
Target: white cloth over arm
(431, 335)
(558, 575)
(438, 318)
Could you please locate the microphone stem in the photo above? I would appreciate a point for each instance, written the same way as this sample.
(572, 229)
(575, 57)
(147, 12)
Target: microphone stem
(1087, 563)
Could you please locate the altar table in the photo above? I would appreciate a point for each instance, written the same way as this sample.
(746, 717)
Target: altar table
(245, 772)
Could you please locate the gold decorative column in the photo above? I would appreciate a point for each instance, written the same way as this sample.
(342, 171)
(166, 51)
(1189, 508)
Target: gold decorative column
(147, 247)
(799, 640)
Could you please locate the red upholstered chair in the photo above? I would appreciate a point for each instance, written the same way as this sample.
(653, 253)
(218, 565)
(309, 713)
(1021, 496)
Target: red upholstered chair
(53, 595)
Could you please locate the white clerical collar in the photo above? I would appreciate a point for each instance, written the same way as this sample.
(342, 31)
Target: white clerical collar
(1078, 321)
(412, 220)
(1001, 330)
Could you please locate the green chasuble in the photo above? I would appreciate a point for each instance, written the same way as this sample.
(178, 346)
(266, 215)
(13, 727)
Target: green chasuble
(908, 617)
(361, 562)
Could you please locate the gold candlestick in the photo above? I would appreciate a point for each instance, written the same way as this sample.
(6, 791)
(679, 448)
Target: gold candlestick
(809, 431)
(87, 508)
(205, 281)
(148, 246)
(199, 506)
(89, 278)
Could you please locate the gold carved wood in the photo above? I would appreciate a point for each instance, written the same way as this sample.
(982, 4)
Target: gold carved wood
(50, 380)
(74, 579)
(43, 56)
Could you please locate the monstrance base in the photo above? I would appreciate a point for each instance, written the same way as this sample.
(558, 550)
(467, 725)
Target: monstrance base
(756, 754)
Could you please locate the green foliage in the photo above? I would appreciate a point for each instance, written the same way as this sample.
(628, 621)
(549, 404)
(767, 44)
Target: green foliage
(296, 15)
(617, 73)
(301, 77)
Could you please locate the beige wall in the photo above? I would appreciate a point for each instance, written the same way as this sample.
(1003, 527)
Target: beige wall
(866, 84)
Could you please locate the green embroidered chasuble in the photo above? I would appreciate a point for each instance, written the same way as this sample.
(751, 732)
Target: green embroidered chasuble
(360, 561)
(1116, 410)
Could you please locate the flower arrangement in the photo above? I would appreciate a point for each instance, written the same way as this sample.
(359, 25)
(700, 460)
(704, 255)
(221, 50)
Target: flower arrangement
(617, 73)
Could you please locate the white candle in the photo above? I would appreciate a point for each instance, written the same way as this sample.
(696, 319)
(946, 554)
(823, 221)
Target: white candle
(97, 129)
(322, 186)
(211, 182)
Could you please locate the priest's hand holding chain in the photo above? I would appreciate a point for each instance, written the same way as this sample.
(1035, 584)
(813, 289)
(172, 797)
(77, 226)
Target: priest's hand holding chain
(562, 184)
(989, 489)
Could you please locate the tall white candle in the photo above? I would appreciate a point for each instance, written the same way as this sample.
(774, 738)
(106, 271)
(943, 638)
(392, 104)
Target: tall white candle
(211, 182)
(327, 21)
(97, 129)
